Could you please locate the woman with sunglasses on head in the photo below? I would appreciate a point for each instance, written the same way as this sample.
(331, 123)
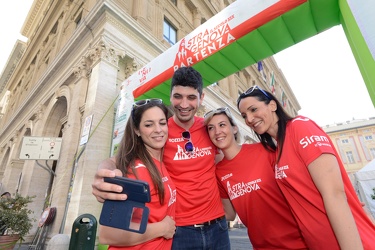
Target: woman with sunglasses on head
(247, 182)
(310, 174)
(140, 156)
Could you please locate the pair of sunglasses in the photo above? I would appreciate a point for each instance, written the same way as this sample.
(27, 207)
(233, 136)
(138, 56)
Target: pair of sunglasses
(143, 102)
(146, 101)
(251, 90)
(189, 147)
(213, 112)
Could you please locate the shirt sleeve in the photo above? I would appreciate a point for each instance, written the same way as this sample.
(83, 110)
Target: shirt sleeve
(223, 193)
(310, 141)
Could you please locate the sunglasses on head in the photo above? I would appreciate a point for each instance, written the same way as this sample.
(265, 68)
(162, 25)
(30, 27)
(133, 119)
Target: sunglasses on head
(213, 112)
(140, 103)
(189, 147)
(143, 102)
(251, 90)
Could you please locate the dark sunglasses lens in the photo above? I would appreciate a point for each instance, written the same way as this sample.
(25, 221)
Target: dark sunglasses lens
(186, 135)
(156, 101)
(189, 146)
(140, 102)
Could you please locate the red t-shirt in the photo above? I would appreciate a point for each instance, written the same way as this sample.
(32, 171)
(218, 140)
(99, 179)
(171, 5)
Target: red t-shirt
(304, 142)
(157, 211)
(249, 182)
(193, 174)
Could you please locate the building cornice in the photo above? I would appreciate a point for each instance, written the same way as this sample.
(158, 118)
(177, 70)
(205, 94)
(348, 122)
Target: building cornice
(11, 64)
(350, 125)
(33, 19)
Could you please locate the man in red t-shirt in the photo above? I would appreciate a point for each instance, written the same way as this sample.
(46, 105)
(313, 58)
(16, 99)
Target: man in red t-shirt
(189, 156)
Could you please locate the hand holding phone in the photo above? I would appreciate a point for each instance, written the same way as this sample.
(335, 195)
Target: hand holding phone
(131, 214)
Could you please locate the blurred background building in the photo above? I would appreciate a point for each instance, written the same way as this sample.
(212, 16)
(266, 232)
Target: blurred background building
(354, 140)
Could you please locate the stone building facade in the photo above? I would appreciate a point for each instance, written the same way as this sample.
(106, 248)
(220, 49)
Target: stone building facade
(355, 142)
(77, 55)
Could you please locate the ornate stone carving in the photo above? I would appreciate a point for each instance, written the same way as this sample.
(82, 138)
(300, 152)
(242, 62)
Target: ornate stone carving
(82, 69)
(104, 50)
(201, 110)
(131, 68)
(39, 112)
(15, 136)
(29, 125)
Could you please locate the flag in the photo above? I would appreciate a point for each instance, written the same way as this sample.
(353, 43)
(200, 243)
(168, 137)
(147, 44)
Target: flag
(272, 83)
(283, 99)
(260, 66)
(261, 70)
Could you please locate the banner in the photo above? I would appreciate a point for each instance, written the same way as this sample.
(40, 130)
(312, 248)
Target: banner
(220, 31)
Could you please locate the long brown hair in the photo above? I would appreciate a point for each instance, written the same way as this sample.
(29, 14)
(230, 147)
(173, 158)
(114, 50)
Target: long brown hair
(132, 148)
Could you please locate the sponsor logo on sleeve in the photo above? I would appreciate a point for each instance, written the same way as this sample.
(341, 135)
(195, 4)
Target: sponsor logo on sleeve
(316, 140)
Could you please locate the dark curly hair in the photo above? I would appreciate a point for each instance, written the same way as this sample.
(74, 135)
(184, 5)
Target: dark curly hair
(188, 77)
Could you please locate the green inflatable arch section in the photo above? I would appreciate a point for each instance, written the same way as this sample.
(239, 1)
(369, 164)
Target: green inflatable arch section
(304, 21)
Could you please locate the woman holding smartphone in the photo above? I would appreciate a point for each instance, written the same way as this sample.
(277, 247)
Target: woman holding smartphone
(140, 157)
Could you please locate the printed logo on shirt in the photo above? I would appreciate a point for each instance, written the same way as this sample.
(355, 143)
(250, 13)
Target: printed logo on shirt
(226, 176)
(173, 196)
(242, 188)
(316, 140)
(176, 139)
(181, 154)
(280, 172)
(172, 192)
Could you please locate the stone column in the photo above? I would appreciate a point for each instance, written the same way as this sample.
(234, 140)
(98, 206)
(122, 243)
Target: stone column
(72, 127)
(197, 18)
(222, 4)
(101, 95)
(140, 9)
(233, 93)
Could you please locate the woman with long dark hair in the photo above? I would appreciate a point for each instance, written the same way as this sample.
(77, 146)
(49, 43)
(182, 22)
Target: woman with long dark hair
(140, 156)
(310, 175)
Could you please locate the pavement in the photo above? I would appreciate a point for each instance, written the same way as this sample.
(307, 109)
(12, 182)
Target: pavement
(237, 235)
(239, 239)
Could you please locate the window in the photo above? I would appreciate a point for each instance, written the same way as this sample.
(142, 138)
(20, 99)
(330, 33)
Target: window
(372, 151)
(344, 141)
(78, 19)
(350, 157)
(169, 33)
(368, 137)
(174, 2)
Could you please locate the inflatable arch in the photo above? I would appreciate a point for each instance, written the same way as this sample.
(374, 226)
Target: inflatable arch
(248, 31)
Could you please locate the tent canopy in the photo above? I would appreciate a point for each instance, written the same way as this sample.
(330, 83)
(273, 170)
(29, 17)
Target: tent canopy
(365, 185)
(369, 167)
